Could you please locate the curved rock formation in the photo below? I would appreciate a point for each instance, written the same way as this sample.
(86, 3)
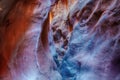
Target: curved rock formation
(59, 40)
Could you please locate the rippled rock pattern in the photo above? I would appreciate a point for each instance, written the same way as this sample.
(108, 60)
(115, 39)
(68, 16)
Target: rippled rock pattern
(59, 40)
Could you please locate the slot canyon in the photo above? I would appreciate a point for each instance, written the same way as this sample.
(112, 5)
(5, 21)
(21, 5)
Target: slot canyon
(59, 39)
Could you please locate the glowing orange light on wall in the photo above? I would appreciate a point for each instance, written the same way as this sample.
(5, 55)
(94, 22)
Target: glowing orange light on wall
(50, 17)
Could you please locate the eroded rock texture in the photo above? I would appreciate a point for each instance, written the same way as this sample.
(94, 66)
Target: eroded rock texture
(93, 49)
(25, 53)
(59, 40)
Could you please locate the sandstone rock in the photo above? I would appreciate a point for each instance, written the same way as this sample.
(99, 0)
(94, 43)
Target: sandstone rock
(59, 40)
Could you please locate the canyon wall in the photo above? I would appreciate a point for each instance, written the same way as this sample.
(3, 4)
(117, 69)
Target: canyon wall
(59, 40)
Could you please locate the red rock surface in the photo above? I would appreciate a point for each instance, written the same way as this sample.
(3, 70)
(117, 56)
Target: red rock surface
(59, 40)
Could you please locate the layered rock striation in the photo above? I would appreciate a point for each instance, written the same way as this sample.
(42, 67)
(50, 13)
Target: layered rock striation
(60, 40)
